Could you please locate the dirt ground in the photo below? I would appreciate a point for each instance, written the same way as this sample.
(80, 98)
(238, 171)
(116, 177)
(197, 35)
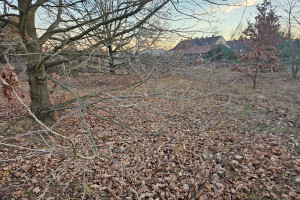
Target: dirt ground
(192, 133)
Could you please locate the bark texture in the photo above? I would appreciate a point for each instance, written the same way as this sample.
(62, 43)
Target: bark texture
(40, 100)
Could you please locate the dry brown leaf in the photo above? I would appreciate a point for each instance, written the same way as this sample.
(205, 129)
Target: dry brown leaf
(36, 190)
(208, 186)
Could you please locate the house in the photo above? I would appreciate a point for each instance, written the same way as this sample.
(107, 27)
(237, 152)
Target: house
(195, 50)
(238, 46)
(214, 40)
(183, 45)
(196, 53)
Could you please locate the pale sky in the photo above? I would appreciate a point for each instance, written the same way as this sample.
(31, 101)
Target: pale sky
(215, 20)
(232, 16)
(224, 19)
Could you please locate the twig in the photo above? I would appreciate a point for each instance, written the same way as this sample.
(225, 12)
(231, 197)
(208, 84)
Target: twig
(47, 129)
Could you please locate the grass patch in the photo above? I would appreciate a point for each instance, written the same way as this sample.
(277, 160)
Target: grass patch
(247, 110)
(3, 126)
(282, 130)
(22, 126)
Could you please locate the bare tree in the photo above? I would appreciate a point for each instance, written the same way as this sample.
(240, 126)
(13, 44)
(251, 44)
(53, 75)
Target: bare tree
(290, 9)
(117, 44)
(66, 25)
(57, 24)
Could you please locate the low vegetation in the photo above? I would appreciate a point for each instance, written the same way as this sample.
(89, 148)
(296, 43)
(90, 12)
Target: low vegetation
(207, 136)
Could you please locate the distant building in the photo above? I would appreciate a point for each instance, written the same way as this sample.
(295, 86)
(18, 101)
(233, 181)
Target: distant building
(214, 40)
(183, 45)
(196, 53)
(195, 50)
(238, 46)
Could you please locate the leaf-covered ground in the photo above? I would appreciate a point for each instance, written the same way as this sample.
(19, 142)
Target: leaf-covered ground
(208, 136)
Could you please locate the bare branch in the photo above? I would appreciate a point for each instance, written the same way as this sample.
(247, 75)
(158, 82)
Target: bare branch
(47, 35)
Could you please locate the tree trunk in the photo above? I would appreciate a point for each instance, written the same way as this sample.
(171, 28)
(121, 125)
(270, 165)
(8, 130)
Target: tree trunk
(293, 67)
(111, 60)
(296, 70)
(254, 79)
(40, 99)
(37, 78)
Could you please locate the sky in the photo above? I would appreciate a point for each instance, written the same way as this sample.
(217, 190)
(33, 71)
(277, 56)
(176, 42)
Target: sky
(232, 17)
(224, 20)
(214, 20)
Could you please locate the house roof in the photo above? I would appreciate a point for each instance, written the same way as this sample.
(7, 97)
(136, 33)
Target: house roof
(198, 49)
(186, 44)
(206, 40)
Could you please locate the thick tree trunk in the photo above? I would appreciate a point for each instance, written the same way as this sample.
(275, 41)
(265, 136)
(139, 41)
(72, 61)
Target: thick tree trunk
(40, 100)
(37, 78)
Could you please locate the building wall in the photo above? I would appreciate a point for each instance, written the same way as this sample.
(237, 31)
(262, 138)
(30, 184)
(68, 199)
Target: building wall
(222, 41)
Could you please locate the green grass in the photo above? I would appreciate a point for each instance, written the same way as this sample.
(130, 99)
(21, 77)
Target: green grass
(282, 130)
(247, 110)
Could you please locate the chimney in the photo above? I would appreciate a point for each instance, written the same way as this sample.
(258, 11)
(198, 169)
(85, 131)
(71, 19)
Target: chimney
(213, 36)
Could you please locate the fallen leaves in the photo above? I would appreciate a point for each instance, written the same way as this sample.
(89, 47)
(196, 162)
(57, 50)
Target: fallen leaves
(206, 151)
(36, 190)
